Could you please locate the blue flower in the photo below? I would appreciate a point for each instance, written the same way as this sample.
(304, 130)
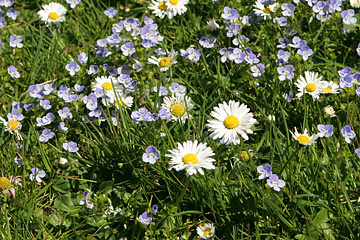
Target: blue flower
(357, 151)
(264, 170)
(151, 155)
(46, 135)
(11, 13)
(72, 67)
(70, 146)
(37, 175)
(2, 22)
(325, 130)
(348, 16)
(305, 52)
(154, 209)
(274, 182)
(348, 133)
(45, 104)
(73, 3)
(84, 200)
(128, 49)
(145, 218)
(110, 12)
(82, 58)
(16, 41)
(13, 72)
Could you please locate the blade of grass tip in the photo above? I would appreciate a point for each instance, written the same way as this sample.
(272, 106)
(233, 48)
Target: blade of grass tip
(9, 237)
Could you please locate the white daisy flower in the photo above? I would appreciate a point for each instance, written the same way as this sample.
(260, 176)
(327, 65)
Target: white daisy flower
(52, 13)
(121, 99)
(159, 8)
(192, 157)
(179, 106)
(176, 7)
(165, 62)
(311, 84)
(264, 11)
(12, 126)
(206, 231)
(231, 119)
(304, 138)
(331, 87)
(107, 83)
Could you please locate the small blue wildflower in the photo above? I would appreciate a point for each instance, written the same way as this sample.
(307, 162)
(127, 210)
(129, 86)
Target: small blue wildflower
(305, 52)
(48, 88)
(110, 12)
(230, 14)
(128, 49)
(207, 42)
(348, 133)
(70, 146)
(145, 218)
(325, 130)
(37, 174)
(45, 104)
(286, 72)
(357, 151)
(164, 114)
(162, 91)
(13, 72)
(288, 9)
(225, 54)
(154, 209)
(274, 182)
(73, 3)
(2, 22)
(78, 88)
(191, 53)
(258, 70)
(36, 91)
(151, 155)
(72, 67)
(82, 58)
(297, 42)
(177, 88)
(18, 159)
(65, 113)
(84, 200)
(16, 41)
(348, 16)
(11, 13)
(93, 69)
(264, 170)
(283, 43)
(237, 55)
(46, 135)
(15, 115)
(62, 127)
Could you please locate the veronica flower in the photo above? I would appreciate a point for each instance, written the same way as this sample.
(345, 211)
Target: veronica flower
(72, 67)
(162, 91)
(288, 9)
(82, 58)
(230, 14)
(84, 200)
(62, 127)
(325, 130)
(151, 155)
(286, 72)
(357, 151)
(46, 135)
(226, 53)
(128, 49)
(258, 70)
(264, 170)
(73, 3)
(348, 133)
(45, 104)
(13, 72)
(65, 113)
(283, 43)
(11, 13)
(93, 69)
(16, 41)
(348, 16)
(207, 42)
(145, 218)
(110, 12)
(37, 174)
(48, 88)
(274, 182)
(2, 22)
(70, 146)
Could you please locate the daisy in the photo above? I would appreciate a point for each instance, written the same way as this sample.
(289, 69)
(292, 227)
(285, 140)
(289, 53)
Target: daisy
(8, 185)
(331, 87)
(231, 119)
(52, 13)
(108, 84)
(159, 8)
(165, 62)
(176, 7)
(264, 11)
(311, 84)
(12, 126)
(192, 157)
(121, 99)
(304, 138)
(179, 106)
(206, 231)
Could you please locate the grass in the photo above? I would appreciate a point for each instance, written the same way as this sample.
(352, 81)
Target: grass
(320, 199)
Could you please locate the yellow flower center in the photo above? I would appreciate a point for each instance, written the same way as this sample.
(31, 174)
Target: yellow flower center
(190, 157)
(267, 10)
(119, 103)
(231, 122)
(165, 62)
(12, 124)
(107, 86)
(177, 109)
(4, 183)
(303, 139)
(206, 233)
(174, 2)
(162, 6)
(327, 90)
(53, 16)
(310, 87)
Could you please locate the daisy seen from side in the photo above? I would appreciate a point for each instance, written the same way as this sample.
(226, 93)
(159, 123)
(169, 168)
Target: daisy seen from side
(304, 138)
(179, 106)
(331, 87)
(264, 10)
(52, 13)
(191, 156)
(231, 120)
(164, 63)
(311, 84)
